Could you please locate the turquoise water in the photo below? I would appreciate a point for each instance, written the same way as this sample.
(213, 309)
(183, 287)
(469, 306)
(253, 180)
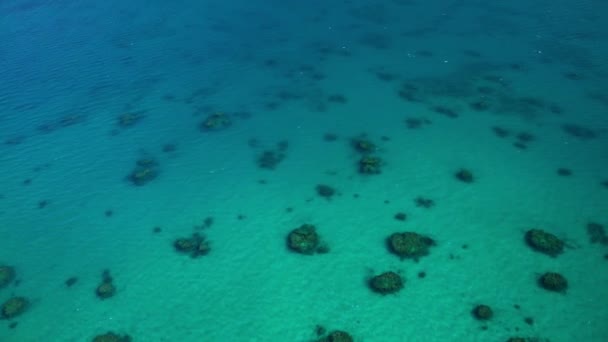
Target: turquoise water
(515, 93)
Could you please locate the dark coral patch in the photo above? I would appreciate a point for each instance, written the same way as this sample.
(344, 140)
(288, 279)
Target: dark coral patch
(409, 245)
(386, 283)
(544, 242)
(304, 240)
(553, 281)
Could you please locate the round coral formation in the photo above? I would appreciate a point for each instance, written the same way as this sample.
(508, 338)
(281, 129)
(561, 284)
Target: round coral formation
(410, 245)
(386, 283)
(304, 239)
(553, 281)
(105, 290)
(14, 307)
(544, 242)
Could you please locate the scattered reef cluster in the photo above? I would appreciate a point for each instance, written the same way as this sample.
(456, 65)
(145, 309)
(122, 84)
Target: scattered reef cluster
(196, 245)
(368, 163)
(306, 240)
(15, 305)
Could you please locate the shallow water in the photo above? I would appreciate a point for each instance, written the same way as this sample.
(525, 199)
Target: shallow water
(515, 93)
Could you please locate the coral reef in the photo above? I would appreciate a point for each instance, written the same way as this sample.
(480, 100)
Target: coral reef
(215, 122)
(464, 175)
(370, 165)
(482, 312)
(336, 336)
(409, 245)
(595, 231)
(579, 131)
(71, 281)
(520, 145)
(111, 337)
(195, 245)
(363, 145)
(330, 137)
(325, 191)
(553, 281)
(7, 275)
(445, 111)
(127, 120)
(501, 132)
(424, 202)
(145, 170)
(207, 223)
(480, 105)
(106, 288)
(386, 283)
(337, 98)
(400, 216)
(169, 147)
(305, 240)
(14, 307)
(414, 123)
(269, 159)
(525, 137)
(544, 242)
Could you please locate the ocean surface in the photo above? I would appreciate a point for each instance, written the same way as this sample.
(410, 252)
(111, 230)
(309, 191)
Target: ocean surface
(157, 157)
